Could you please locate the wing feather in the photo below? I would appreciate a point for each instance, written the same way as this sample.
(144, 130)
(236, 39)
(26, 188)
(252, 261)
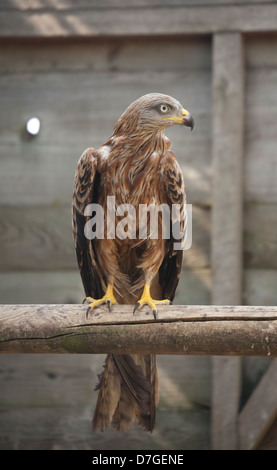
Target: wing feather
(173, 186)
(85, 191)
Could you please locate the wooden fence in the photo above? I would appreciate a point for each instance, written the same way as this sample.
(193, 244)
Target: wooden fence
(243, 129)
(185, 330)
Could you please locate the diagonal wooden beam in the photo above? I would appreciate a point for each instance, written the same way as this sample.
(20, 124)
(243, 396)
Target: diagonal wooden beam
(260, 410)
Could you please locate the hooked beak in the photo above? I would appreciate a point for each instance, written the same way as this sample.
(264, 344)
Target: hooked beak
(185, 120)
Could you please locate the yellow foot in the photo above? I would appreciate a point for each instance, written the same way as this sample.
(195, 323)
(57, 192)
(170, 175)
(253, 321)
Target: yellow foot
(146, 299)
(108, 299)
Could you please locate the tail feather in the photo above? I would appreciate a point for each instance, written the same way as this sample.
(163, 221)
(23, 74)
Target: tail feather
(135, 382)
(125, 413)
(109, 393)
(147, 420)
(127, 391)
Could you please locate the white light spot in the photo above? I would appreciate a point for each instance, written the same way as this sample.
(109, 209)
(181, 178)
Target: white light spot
(33, 126)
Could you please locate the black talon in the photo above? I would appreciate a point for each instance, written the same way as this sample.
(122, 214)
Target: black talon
(135, 308)
(170, 303)
(88, 310)
(84, 300)
(155, 314)
(109, 305)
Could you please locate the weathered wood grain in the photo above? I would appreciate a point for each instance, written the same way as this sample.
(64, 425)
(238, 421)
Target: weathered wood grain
(269, 440)
(76, 374)
(227, 151)
(47, 402)
(260, 239)
(226, 236)
(57, 287)
(93, 22)
(85, 104)
(50, 428)
(102, 54)
(185, 55)
(194, 287)
(41, 236)
(260, 167)
(25, 287)
(187, 330)
(122, 59)
(71, 4)
(260, 287)
(226, 389)
(38, 286)
(260, 411)
(35, 237)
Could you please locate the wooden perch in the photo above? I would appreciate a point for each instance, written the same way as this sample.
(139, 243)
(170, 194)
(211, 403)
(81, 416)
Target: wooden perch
(188, 330)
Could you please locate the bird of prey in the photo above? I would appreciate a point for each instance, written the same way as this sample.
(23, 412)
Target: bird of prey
(137, 167)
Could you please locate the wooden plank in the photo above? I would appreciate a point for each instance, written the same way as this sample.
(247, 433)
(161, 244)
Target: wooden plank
(33, 237)
(47, 401)
(194, 287)
(260, 287)
(24, 287)
(227, 151)
(269, 441)
(31, 380)
(260, 172)
(253, 369)
(190, 389)
(45, 428)
(100, 54)
(141, 21)
(260, 411)
(71, 4)
(260, 51)
(36, 237)
(41, 171)
(41, 287)
(21, 373)
(184, 330)
(260, 241)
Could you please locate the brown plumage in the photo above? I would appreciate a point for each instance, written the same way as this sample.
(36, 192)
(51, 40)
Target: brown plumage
(136, 166)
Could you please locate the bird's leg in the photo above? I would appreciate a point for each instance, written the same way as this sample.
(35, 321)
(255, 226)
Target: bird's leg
(108, 299)
(146, 299)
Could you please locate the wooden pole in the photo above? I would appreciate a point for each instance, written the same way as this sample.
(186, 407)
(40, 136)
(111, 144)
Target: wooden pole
(186, 330)
(227, 165)
(227, 151)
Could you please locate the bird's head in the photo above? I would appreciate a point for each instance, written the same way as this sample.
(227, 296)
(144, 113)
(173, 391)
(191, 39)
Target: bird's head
(152, 113)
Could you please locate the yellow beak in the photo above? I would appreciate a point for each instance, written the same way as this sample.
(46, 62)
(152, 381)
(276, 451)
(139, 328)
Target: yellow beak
(186, 119)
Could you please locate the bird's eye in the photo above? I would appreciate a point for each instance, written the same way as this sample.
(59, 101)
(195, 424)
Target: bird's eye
(163, 108)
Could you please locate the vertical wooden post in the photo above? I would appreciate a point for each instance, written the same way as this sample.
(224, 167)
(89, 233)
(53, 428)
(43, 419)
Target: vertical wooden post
(227, 152)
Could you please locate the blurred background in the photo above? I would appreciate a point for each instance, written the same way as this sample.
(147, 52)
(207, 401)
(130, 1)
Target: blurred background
(76, 66)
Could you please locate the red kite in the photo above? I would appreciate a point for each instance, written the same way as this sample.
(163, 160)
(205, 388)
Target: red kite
(136, 167)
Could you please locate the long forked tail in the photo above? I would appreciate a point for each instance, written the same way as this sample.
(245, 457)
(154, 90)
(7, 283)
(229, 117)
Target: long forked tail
(128, 391)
